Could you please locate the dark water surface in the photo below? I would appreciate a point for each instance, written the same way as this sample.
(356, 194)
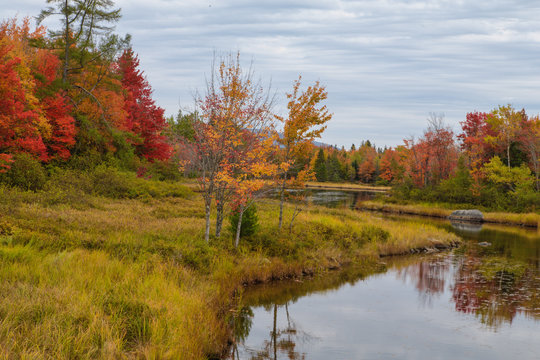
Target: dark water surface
(476, 302)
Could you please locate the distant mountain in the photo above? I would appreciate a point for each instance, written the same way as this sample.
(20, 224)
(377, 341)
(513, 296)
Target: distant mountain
(321, 145)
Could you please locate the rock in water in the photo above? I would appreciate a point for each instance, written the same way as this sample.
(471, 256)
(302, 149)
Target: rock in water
(467, 215)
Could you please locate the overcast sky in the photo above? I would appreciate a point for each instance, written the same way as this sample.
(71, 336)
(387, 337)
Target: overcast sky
(386, 63)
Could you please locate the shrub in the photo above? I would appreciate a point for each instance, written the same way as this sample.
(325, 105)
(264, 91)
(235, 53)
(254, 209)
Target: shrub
(250, 221)
(371, 233)
(26, 173)
(163, 170)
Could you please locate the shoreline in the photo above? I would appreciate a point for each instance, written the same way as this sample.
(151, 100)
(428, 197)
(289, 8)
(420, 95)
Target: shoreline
(530, 220)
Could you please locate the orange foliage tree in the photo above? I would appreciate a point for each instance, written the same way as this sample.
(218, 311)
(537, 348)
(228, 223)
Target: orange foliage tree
(304, 123)
(232, 138)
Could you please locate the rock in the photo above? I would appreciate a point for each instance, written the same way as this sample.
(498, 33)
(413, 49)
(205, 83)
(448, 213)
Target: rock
(467, 215)
(484, 243)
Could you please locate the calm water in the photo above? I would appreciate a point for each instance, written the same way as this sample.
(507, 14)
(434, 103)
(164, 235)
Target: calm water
(476, 302)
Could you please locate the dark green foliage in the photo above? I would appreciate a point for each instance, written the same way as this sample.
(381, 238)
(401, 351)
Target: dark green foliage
(250, 221)
(334, 170)
(85, 160)
(182, 126)
(163, 170)
(457, 189)
(372, 233)
(111, 182)
(320, 166)
(517, 155)
(355, 167)
(26, 173)
(125, 152)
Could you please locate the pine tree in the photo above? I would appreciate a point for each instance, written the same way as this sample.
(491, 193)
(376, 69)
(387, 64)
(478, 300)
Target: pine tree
(320, 166)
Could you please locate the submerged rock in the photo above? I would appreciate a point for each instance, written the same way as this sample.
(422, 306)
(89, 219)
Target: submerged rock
(467, 215)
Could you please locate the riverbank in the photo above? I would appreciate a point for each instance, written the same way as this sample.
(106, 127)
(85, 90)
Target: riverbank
(86, 276)
(430, 210)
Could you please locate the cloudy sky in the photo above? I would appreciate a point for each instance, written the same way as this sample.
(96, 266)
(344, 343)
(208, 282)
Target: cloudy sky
(386, 63)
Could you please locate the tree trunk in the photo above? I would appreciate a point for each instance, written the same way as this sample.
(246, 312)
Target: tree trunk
(207, 218)
(508, 155)
(239, 226)
(281, 202)
(537, 182)
(219, 218)
(296, 211)
(66, 45)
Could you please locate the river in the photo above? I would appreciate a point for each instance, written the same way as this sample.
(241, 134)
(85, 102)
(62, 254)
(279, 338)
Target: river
(480, 301)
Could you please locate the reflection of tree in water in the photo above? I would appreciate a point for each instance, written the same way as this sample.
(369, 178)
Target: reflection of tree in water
(282, 341)
(496, 289)
(428, 277)
(485, 283)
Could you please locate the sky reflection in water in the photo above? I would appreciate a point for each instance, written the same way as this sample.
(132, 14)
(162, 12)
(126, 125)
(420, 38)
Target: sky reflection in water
(476, 303)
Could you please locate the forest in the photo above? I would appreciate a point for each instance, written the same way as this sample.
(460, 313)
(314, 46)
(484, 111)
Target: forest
(75, 98)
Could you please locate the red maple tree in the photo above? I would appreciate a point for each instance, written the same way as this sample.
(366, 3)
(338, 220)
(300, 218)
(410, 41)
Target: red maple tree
(144, 118)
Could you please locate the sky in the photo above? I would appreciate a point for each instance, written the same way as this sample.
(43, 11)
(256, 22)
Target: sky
(387, 64)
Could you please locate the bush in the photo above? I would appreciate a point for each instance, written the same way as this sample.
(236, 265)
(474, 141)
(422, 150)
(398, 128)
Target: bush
(26, 173)
(372, 233)
(163, 170)
(250, 221)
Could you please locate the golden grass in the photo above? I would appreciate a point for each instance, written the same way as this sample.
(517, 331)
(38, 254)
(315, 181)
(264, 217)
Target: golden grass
(527, 219)
(134, 279)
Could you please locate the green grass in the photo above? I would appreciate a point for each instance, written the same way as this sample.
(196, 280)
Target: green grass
(98, 274)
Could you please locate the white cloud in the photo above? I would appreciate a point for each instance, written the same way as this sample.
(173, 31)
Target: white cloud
(386, 63)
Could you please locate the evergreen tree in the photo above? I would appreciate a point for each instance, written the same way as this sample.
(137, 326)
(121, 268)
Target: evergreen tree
(320, 166)
(355, 167)
(86, 33)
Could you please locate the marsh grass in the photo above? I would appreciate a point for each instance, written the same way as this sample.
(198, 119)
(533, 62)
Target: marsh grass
(444, 210)
(102, 275)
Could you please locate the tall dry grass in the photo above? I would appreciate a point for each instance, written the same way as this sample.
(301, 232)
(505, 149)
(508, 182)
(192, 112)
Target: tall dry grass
(523, 219)
(99, 278)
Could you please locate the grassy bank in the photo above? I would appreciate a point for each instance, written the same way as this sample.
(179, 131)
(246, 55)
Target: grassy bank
(444, 210)
(86, 274)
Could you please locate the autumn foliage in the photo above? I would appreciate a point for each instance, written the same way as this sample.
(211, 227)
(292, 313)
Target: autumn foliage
(143, 117)
(104, 102)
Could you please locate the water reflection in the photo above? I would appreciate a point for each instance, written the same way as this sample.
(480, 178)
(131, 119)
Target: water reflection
(347, 199)
(479, 302)
(429, 278)
(466, 226)
(281, 340)
(330, 198)
(496, 289)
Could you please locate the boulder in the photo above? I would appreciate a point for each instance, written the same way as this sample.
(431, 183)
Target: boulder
(467, 215)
